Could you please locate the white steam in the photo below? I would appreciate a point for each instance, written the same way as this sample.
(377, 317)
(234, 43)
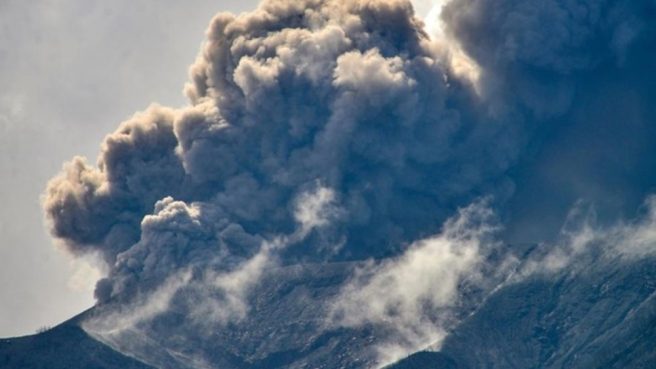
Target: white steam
(413, 296)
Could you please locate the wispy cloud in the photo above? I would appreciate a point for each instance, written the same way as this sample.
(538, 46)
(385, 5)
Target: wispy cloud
(412, 297)
(582, 234)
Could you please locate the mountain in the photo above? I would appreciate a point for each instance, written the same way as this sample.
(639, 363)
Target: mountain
(601, 314)
(426, 360)
(66, 346)
(284, 329)
(597, 314)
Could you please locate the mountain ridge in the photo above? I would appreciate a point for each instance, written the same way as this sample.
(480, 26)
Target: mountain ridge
(600, 313)
(65, 346)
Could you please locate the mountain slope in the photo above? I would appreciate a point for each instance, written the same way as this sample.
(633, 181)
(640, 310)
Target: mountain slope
(285, 327)
(66, 346)
(601, 315)
(426, 360)
(598, 314)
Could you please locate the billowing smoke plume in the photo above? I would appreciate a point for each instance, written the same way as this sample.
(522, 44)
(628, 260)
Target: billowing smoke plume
(580, 75)
(345, 94)
(341, 131)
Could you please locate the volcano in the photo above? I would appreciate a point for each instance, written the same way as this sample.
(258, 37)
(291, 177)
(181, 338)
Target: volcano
(348, 187)
(593, 317)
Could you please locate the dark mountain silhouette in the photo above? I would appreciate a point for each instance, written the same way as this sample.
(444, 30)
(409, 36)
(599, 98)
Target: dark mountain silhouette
(65, 346)
(597, 314)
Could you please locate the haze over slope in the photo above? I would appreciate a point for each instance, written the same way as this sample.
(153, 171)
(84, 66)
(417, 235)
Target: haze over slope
(335, 131)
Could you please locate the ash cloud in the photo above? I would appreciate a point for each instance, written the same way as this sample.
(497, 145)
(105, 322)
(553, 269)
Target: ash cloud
(99, 209)
(332, 131)
(579, 75)
(350, 95)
